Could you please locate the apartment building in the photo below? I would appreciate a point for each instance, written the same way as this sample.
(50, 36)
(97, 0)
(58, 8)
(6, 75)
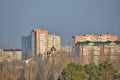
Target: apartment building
(39, 43)
(35, 43)
(10, 55)
(97, 50)
(54, 40)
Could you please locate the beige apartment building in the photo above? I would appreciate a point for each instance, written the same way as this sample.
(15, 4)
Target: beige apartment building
(10, 55)
(54, 40)
(97, 52)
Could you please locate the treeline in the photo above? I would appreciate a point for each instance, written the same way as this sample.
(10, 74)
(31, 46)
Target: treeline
(36, 69)
(103, 71)
(57, 67)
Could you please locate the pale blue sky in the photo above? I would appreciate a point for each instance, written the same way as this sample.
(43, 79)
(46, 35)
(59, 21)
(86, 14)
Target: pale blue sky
(63, 17)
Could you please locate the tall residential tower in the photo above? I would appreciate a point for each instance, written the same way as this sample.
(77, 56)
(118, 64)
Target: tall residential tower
(35, 43)
(39, 42)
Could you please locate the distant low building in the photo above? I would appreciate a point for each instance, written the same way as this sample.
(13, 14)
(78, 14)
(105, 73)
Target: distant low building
(67, 49)
(1, 55)
(11, 54)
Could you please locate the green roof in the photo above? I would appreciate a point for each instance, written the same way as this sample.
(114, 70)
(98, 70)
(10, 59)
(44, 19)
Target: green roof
(97, 43)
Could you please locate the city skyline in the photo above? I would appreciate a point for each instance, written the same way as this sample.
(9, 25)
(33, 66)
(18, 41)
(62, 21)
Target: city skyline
(39, 43)
(64, 18)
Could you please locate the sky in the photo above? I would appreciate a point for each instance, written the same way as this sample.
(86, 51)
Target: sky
(66, 18)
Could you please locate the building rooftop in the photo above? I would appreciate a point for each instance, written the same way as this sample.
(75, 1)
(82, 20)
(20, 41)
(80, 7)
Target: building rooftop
(12, 49)
(98, 43)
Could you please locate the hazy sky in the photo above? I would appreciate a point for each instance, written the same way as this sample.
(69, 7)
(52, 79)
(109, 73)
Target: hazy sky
(62, 17)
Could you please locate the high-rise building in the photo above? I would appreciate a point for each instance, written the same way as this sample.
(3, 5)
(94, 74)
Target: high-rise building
(54, 40)
(32, 42)
(39, 42)
(26, 47)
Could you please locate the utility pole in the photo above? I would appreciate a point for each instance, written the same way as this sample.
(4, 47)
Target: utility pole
(8, 45)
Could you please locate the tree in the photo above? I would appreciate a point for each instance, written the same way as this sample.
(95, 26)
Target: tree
(103, 71)
(92, 71)
(74, 72)
(107, 72)
(9, 71)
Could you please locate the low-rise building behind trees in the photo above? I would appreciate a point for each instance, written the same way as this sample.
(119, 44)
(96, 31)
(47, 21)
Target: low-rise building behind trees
(10, 55)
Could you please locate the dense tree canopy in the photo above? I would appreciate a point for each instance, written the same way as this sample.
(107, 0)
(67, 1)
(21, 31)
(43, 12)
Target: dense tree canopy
(74, 72)
(103, 71)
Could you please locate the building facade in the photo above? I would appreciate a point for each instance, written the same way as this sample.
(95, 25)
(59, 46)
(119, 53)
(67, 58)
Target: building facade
(35, 43)
(25, 47)
(91, 50)
(39, 42)
(97, 52)
(54, 40)
(10, 55)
